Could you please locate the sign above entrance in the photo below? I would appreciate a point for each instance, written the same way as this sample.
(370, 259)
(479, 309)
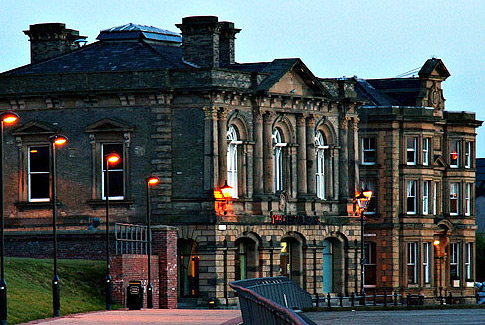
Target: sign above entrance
(294, 220)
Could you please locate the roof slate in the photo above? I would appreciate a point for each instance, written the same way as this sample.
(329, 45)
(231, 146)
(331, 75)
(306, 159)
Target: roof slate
(109, 56)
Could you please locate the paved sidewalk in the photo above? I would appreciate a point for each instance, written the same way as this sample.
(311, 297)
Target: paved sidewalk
(150, 316)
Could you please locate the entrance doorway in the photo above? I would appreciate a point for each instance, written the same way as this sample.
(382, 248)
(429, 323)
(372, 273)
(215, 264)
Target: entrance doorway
(188, 266)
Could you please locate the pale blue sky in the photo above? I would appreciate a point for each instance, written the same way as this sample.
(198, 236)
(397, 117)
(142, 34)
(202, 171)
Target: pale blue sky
(370, 39)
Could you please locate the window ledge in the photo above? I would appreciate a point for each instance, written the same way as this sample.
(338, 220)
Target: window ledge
(26, 205)
(102, 203)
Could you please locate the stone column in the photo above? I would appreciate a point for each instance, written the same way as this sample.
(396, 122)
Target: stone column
(344, 158)
(310, 156)
(258, 151)
(353, 156)
(211, 152)
(222, 138)
(247, 169)
(268, 173)
(301, 156)
(164, 244)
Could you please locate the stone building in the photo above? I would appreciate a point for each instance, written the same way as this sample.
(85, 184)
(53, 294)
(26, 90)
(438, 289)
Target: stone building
(420, 162)
(288, 143)
(182, 108)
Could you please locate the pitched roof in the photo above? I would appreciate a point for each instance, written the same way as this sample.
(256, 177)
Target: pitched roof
(109, 56)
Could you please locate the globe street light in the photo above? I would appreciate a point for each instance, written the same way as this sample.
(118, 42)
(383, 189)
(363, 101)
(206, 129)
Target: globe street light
(152, 180)
(55, 140)
(111, 158)
(363, 200)
(8, 118)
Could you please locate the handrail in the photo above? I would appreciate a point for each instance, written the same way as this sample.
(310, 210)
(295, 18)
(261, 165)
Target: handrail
(282, 313)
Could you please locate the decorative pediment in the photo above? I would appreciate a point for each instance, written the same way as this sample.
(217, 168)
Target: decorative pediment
(34, 128)
(439, 161)
(292, 77)
(108, 125)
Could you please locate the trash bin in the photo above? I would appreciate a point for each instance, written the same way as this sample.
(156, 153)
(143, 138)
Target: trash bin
(134, 296)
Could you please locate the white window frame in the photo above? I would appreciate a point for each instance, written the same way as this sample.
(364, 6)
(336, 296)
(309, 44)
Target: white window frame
(30, 173)
(454, 145)
(455, 258)
(468, 152)
(468, 193)
(425, 197)
(278, 145)
(369, 145)
(232, 156)
(426, 151)
(320, 148)
(426, 264)
(412, 150)
(412, 261)
(103, 171)
(468, 261)
(455, 196)
(411, 193)
(435, 198)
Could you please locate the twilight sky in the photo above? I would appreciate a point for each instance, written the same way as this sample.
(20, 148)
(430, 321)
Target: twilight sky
(369, 39)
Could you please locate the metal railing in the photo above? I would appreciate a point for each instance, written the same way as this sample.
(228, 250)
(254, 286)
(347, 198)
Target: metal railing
(383, 299)
(258, 309)
(130, 238)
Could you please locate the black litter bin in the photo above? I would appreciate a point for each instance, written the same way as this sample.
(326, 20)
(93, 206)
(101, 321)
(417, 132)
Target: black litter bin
(134, 296)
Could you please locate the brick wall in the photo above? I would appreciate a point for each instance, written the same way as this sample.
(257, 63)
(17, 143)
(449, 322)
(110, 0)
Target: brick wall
(164, 244)
(131, 267)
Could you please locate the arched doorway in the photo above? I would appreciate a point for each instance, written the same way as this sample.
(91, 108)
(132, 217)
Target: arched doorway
(333, 266)
(291, 259)
(188, 268)
(246, 263)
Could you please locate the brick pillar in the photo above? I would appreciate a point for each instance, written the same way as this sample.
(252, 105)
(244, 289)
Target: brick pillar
(164, 244)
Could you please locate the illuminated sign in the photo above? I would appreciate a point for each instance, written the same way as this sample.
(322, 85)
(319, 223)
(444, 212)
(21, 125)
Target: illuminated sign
(294, 220)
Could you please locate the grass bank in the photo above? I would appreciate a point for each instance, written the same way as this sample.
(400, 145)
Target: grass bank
(29, 287)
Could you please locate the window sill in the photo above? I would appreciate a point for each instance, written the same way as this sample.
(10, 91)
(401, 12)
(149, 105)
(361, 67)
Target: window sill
(26, 205)
(102, 203)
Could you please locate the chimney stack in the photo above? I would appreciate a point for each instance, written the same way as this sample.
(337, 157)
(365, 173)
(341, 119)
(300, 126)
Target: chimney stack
(50, 40)
(207, 42)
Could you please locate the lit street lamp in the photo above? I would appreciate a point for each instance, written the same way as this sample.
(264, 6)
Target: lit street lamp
(111, 158)
(363, 200)
(8, 118)
(55, 140)
(152, 180)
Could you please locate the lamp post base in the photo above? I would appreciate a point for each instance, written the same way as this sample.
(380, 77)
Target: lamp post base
(108, 288)
(149, 296)
(56, 296)
(3, 302)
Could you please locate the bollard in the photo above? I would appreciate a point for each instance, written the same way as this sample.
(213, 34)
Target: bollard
(318, 298)
(341, 298)
(352, 299)
(363, 298)
(395, 298)
(375, 297)
(329, 304)
(385, 299)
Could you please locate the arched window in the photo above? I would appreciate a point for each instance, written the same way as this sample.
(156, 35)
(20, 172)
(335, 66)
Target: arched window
(320, 159)
(277, 160)
(232, 143)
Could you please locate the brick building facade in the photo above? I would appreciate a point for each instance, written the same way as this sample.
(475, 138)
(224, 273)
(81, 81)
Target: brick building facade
(181, 108)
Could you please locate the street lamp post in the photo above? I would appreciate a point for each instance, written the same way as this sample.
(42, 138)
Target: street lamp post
(363, 200)
(9, 118)
(152, 180)
(110, 159)
(55, 140)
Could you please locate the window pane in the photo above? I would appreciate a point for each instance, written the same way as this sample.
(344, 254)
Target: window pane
(39, 159)
(113, 148)
(115, 183)
(39, 186)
